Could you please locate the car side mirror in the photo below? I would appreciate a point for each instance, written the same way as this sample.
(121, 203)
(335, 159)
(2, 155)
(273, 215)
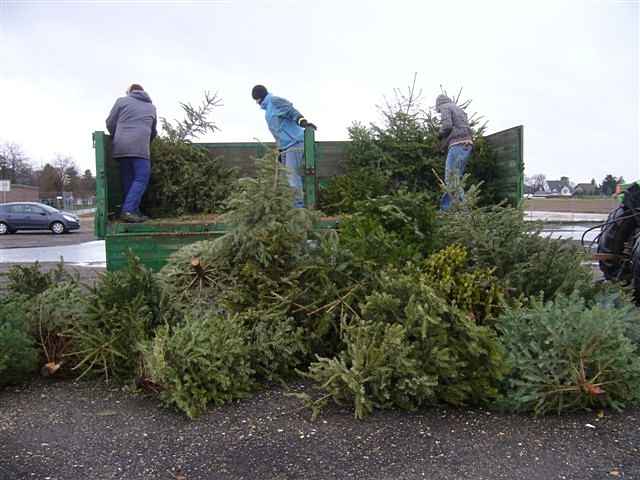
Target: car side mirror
(44, 214)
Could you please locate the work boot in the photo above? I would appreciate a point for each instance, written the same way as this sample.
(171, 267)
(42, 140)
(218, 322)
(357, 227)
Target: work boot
(130, 217)
(142, 215)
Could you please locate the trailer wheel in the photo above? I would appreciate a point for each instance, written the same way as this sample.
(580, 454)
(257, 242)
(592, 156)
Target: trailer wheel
(635, 268)
(615, 233)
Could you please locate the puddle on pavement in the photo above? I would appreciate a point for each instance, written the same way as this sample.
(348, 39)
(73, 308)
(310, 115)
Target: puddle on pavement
(552, 217)
(573, 232)
(89, 254)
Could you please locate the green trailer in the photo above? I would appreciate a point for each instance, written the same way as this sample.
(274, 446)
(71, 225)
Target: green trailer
(155, 241)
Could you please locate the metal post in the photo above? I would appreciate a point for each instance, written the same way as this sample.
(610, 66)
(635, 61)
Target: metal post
(310, 176)
(102, 204)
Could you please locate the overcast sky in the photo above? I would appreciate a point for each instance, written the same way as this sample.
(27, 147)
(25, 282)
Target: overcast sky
(566, 70)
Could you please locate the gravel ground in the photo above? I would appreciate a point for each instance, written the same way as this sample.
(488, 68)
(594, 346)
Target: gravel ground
(59, 430)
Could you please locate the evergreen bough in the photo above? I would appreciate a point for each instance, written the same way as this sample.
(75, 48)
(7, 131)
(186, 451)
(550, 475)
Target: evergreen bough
(409, 347)
(52, 315)
(18, 351)
(405, 151)
(378, 369)
(248, 277)
(566, 355)
(204, 360)
(121, 312)
(265, 244)
(529, 263)
(185, 178)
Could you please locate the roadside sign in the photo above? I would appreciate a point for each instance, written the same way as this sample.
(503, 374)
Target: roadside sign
(5, 185)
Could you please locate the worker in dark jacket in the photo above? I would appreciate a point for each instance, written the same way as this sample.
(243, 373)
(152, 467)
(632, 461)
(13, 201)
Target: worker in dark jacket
(287, 127)
(132, 124)
(458, 138)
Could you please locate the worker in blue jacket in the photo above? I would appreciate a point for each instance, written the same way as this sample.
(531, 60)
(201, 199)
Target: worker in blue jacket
(287, 127)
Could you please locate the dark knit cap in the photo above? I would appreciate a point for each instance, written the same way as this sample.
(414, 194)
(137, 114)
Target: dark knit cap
(259, 92)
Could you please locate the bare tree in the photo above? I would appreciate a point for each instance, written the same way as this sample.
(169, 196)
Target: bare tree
(539, 180)
(408, 103)
(64, 166)
(14, 164)
(87, 183)
(48, 182)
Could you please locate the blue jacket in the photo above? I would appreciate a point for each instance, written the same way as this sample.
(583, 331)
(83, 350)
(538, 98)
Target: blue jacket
(282, 119)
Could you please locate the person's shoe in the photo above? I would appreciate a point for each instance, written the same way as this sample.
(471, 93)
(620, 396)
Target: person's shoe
(142, 215)
(131, 217)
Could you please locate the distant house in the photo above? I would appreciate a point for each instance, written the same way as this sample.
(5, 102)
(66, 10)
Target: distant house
(559, 187)
(585, 189)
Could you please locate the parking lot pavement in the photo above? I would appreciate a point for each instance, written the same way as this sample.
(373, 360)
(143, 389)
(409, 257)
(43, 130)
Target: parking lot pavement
(84, 430)
(45, 238)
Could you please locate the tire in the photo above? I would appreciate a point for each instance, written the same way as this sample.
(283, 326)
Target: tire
(615, 233)
(635, 268)
(57, 228)
(4, 228)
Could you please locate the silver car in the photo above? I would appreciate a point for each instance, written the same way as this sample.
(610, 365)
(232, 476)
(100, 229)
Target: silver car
(35, 216)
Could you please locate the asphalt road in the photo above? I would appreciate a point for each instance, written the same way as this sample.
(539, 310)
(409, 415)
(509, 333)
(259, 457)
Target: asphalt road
(45, 238)
(59, 430)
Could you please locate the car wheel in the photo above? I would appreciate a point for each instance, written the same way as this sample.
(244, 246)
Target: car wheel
(57, 228)
(4, 228)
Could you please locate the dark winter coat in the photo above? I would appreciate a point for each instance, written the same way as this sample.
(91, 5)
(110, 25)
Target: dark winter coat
(132, 123)
(454, 124)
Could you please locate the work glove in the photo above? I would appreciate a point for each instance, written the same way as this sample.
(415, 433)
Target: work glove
(304, 123)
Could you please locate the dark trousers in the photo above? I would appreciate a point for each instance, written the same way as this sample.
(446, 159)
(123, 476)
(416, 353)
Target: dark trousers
(135, 173)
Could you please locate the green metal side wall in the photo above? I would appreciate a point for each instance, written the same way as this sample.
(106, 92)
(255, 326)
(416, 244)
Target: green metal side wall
(153, 249)
(508, 147)
(155, 242)
(239, 155)
(108, 187)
